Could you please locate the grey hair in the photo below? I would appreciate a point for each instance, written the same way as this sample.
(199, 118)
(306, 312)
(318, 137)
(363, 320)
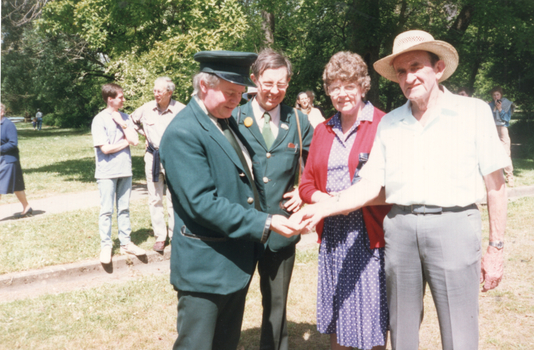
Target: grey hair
(167, 81)
(209, 79)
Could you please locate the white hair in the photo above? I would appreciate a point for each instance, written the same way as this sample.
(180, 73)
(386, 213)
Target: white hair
(167, 81)
(210, 80)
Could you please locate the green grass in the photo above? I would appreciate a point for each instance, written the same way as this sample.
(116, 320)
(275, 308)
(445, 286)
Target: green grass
(141, 314)
(64, 238)
(56, 161)
(138, 315)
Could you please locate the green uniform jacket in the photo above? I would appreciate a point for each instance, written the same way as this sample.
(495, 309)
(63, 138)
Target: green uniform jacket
(217, 231)
(280, 163)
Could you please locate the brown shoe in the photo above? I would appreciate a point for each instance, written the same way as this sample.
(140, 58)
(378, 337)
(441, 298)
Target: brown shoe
(159, 246)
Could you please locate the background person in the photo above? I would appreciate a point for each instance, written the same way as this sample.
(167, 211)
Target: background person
(431, 158)
(502, 109)
(464, 91)
(39, 119)
(311, 95)
(11, 180)
(250, 94)
(216, 182)
(113, 133)
(271, 129)
(351, 295)
(151, 120)
(304, 104)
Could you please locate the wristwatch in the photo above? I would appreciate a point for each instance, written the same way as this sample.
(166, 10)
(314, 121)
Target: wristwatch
(497, 244)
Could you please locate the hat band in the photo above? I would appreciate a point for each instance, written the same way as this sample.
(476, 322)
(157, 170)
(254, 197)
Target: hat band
(231, 77)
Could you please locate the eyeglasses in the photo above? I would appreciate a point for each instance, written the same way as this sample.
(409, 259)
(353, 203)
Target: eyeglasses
(159, 92)
(349, 89)
(269, 85)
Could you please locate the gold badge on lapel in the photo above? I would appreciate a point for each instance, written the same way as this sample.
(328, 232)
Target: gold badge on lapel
(284, 126)
(248, 122)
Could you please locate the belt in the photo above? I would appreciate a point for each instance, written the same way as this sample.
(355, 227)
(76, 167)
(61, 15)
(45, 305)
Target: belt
(155, 162)
(433, 209)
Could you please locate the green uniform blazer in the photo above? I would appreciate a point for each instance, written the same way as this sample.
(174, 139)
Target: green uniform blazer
(280, 163)
(217, 231)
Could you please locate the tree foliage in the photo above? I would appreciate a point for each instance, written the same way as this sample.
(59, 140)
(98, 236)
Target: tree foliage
(61, 59)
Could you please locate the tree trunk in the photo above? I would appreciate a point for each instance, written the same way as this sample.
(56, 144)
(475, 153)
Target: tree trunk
(268, 27)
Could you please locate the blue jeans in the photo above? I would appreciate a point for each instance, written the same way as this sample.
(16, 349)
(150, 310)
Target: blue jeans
(118, 189)
(39, 123)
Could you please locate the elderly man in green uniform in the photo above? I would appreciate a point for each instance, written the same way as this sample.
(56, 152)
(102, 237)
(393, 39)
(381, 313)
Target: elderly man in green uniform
(272, 129)
(215, 180)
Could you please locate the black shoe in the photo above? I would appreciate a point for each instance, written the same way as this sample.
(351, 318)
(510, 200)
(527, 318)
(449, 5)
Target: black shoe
(28, 212)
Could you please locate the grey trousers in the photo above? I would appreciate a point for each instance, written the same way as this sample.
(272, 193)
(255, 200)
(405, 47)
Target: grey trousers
(443, 250)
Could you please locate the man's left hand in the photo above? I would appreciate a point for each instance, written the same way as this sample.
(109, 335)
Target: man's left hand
(294, 203)
(492, 268)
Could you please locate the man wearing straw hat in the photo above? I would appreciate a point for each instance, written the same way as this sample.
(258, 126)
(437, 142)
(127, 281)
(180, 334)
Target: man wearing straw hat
(431, 159)
(215, 180)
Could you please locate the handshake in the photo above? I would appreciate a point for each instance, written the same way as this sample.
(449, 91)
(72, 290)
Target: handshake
(301, 222)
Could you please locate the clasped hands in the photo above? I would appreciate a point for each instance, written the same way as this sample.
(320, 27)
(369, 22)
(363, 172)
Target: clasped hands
(301, 222)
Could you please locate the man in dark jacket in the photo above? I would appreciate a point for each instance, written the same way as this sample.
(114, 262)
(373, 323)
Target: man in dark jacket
(215, 180)
(272, 130)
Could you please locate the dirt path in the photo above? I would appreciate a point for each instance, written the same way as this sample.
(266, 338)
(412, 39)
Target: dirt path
(62, 203)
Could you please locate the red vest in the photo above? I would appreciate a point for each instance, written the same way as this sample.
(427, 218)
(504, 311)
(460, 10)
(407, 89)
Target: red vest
(315, 173)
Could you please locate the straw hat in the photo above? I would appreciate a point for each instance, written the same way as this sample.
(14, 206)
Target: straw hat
(415, 40)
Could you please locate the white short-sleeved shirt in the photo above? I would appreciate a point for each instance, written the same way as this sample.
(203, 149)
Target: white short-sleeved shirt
(315, 117)
(441, 163)
(104, 131)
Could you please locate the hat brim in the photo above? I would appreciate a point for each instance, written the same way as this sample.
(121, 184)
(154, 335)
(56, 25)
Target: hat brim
(443, 50)
(235, 78)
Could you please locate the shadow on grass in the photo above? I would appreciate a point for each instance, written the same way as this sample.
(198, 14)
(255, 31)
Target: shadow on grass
(302, 336)
(16, 216)
(137, 237)
(83, 169)
(522, 166)
(50, 132)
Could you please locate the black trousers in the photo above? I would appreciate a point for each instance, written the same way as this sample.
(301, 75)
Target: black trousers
(209, 321)
(275, 269)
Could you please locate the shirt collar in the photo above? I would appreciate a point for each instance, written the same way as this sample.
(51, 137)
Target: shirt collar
(365, 115)
(170, 108)
(405, 111)
(259, 111)
(205, 110)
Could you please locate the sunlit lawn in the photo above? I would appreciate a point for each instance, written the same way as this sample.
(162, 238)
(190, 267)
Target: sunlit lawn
(142, 314)
(56, 161)
(64, 238)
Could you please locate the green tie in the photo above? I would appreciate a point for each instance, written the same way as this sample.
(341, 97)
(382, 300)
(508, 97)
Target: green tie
(231, 138)
(266, 131)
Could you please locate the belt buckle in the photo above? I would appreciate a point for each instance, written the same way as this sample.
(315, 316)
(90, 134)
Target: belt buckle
(422, 209)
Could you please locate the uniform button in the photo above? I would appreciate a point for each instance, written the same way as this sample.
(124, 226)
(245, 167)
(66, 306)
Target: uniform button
(268, 155)
(242, 174)
(266, 179)
(250, 200)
